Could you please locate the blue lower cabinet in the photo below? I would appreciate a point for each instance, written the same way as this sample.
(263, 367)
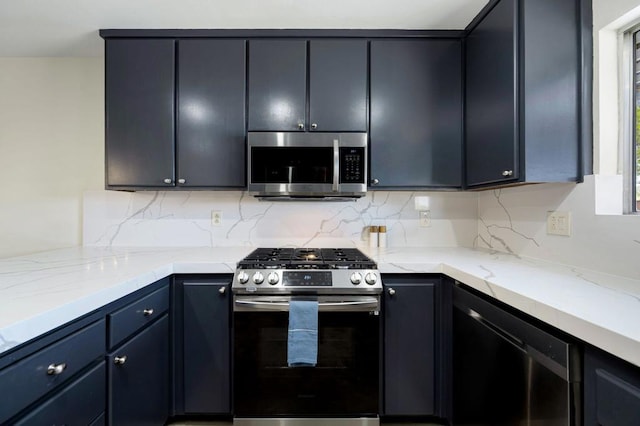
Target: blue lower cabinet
(410, 353)
(80, 403)
(207, 377)
(138, 378)
(611, 390)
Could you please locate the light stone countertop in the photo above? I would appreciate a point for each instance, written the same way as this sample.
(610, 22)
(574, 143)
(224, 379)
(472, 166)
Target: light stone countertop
(42, 291)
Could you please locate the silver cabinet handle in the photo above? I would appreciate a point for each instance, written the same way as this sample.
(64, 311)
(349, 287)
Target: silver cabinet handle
(168, 181)
(314, 126)
(55, 369)
(507, 173)
(375, 181)
(120, 360)
(182, 181)
(222, 290)
(301, 126)
(336, 165)
(391, 292)
(147, 312)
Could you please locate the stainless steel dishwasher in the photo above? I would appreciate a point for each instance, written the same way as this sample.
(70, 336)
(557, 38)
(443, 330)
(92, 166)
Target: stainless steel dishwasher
(507, 371)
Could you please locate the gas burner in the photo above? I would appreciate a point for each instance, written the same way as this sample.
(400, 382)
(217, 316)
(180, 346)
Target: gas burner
(307, 270)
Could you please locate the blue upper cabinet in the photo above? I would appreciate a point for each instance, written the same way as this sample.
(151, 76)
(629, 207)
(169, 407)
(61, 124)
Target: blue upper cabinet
(338, 85)
(277, 85)
(320, 85)
(416, 113)
(175, 113)
(211, 113)
(140, 91)
(524, 90)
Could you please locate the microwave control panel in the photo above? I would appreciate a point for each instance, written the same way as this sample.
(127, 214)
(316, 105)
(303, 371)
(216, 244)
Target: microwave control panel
(352, 165)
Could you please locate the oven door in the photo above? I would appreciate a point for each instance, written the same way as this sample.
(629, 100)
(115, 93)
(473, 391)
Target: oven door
(343, 384)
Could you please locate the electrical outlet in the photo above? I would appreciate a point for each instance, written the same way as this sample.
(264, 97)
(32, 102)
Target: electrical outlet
(216, 217)
(425, 218)
(559, 223)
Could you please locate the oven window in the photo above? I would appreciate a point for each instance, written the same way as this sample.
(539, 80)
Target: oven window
(344, 382)
(291, 165)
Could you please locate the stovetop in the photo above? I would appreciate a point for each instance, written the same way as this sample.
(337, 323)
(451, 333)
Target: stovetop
(307, 258)
(307, 270)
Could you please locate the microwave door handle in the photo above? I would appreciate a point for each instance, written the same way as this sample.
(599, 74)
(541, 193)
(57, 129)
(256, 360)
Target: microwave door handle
(336, 165)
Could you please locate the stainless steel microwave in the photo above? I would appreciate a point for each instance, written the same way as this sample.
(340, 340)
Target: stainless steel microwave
(298, 165)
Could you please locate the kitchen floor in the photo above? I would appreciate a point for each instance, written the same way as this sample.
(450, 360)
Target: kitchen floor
(201, 423)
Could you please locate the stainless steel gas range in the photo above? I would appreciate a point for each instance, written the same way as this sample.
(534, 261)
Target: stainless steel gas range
(342, 386)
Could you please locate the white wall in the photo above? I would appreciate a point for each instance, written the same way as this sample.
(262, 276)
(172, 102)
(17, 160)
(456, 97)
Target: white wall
(51, 149)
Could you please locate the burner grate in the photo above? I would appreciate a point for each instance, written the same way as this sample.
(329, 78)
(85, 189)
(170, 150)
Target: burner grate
(306, 258)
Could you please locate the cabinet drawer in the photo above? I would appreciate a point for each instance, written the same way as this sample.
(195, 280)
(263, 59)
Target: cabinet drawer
(126, 321)
(79, 403)
(31, 378)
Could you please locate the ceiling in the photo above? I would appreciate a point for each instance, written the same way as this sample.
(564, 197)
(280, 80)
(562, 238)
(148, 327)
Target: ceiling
(70, 27)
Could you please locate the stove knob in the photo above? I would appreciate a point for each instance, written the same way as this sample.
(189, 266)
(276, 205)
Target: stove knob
(258, 278)
(243, 277)
(371, 278)
(356, 278)
(273, 278)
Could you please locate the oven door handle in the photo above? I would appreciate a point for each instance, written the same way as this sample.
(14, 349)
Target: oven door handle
(370, 304)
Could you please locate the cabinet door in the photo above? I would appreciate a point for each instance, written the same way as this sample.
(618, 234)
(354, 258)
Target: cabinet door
(207, 364)
(139, 383)
(491, 132)
(338, 85)
(211, 119)
(611, 390)
(416, 113)
(139, 112)
(277, 85)
(409, 349)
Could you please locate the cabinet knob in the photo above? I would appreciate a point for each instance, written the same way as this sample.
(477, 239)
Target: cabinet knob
(391, 292)
(120, 360)
(314, 126)
(182, 181)
(222, 290)
(507, 173)
(301, 126)
(168, 181)
(147, 312)
(55, 369)
(375, 181)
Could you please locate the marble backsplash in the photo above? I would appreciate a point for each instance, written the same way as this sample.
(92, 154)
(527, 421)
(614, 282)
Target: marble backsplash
(513, 220)
(183, 218)
(510, 220)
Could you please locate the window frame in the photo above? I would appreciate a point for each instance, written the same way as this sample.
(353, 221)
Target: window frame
(630, 136)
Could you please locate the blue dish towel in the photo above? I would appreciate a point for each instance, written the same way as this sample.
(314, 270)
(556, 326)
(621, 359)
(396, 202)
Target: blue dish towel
(302, 339)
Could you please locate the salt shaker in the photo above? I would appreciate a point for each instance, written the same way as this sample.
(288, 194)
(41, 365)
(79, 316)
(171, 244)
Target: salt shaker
(382, 236)
(373, 236)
